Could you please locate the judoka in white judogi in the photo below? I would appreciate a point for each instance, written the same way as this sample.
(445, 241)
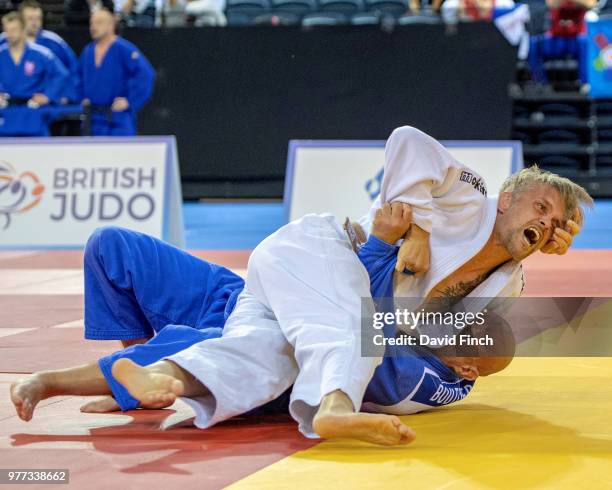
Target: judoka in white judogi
(298, 320)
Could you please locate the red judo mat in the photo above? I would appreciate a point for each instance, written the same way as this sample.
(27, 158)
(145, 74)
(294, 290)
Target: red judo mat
(41, 327)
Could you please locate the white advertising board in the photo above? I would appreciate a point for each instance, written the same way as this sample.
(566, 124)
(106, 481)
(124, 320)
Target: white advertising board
(343, 177)
(55, 191)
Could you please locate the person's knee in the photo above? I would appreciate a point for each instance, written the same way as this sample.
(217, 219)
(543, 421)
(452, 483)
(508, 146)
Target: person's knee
(101, 239)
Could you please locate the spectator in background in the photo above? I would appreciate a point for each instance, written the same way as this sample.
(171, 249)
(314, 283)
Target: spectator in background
(206, 12)
(116, 79)
(179, 13)
(137, 13)
(32, 14)
(30, 77)
(565, 39)
(174, 13)
(472, 10)
(567, 17)
(78, 12)
(415, 6)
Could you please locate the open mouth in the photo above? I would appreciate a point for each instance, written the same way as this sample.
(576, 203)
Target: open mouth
(532, 235)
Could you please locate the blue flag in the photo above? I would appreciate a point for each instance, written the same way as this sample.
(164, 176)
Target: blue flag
(600, 58)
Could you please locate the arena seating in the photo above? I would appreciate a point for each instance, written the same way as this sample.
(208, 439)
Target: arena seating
(568, 133)
(244, 12)
(324, 19)
(560, 126)
(347, 7)
(295, 7)
(314, 13)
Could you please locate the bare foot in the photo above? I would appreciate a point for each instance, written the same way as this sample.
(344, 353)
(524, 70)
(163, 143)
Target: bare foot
(386, 430)
(102, 405)
(25, 395)
(153, 390)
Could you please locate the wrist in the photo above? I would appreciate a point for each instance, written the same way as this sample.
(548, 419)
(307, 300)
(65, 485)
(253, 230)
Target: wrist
(384, 237)
(377, 243)
(417, 233)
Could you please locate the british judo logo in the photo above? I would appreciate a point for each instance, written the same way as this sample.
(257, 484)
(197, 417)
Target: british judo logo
(19, 192)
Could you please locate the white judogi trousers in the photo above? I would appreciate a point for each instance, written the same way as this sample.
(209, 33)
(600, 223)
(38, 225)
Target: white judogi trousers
(298, 321)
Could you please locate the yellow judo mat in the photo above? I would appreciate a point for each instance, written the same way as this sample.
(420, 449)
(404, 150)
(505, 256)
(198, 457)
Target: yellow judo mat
(542, 423)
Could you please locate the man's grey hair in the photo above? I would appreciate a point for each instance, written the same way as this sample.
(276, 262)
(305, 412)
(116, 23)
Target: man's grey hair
(574, 196)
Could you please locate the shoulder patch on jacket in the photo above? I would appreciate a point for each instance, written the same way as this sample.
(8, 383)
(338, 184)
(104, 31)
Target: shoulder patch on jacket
(476, 181)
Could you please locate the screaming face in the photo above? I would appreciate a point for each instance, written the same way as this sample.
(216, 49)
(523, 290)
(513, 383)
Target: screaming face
(532, 235)
(528, 219)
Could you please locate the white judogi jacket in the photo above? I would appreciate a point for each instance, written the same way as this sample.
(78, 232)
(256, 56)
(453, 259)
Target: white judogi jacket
(298, 320)
(449, 200)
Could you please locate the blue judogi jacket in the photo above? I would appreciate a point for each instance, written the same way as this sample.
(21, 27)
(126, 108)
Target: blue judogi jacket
(409, 379)
(39, 71)
(123, 72)
(68, 58)
(64, 54)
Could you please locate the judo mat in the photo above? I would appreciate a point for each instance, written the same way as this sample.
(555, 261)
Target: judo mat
(542, 423)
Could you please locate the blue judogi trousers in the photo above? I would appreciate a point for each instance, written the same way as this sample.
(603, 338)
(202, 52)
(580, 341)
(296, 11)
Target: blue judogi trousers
(137, 286)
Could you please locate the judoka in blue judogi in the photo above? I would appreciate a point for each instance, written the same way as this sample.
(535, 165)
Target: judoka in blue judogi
(126, 300)
(116, 80)
(32, 14)
(29, 83)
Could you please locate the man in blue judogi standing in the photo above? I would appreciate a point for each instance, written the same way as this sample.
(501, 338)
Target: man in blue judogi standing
(116, 79)
(33, 17)
(32, 14)
(31, 78)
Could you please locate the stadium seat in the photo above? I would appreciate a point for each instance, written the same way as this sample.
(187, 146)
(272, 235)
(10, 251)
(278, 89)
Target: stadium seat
(521, 136)
(558, 109)
(604, 162)
(365, 19)
(324, 19)
(559, 136)
(277, 19)
(559, 161)
(564, 165)
(236, 19)
(563, 74)
(295, 7)
(347, 7)
(520, 111)
(409, 19)
(523, 72)
(396, 8)
(604, 108)
(604, 136)
(244, 12)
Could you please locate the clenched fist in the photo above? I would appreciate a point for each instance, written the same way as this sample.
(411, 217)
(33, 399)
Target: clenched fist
(414, 252)
(562, 239)
(392, 221)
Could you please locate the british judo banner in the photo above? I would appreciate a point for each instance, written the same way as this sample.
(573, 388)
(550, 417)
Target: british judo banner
(344, 177)
(55, 191)
(600, 58)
